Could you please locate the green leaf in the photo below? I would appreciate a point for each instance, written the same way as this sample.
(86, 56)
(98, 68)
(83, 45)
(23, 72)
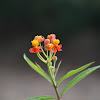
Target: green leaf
(79, 77)
(41, 98)
(37, 69)
(72, 72)
(56, 71)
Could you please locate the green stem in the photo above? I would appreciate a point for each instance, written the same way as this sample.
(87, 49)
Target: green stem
(43, 51)
(52, 57)
(54, 83)
(47, 55)
(56, 90)
(41, 58)
(54, 64)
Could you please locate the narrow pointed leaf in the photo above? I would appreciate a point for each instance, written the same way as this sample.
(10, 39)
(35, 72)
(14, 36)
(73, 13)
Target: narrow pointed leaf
(37, 69)
(56, 71)
(79, 77)
(72, 72)
(42, 98)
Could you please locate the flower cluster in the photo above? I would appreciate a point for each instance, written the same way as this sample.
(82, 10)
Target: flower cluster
(50, 44)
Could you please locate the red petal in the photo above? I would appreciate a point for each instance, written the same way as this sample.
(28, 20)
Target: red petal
(55, 50)
(32, 50)
(59, 48)
(37, 50)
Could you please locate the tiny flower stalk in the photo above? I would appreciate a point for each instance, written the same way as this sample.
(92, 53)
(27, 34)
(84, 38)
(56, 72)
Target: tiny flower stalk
(43, 51)
(49, 47)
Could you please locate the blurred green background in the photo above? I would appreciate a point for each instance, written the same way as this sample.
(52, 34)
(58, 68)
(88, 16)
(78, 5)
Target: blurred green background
(75, 22)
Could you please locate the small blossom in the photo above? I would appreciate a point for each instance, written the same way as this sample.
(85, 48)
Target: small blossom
(56, 42)
(42, 39)
(46, 41)
(52, 40)
(51, 36)
(35, 49)
(49, 46)
(35, 43)
(39, 38)
(57, 48)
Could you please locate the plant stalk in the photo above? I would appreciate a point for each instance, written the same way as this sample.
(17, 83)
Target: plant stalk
(54, 85)
(56, 90)
(51, 76)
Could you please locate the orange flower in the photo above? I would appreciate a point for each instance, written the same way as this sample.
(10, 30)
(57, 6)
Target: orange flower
(57, 48)
(51, 36)
(39, 38)
(35, 48)
(49, 46)
(35, 43)
(56, 42)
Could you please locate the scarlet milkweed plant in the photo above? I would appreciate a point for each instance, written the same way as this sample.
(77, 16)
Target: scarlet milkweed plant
(49, 47)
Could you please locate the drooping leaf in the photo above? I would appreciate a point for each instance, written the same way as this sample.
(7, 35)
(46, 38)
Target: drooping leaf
(56, 71)
(37, 69)
(42, 98)
(79, 77)
(72, 72)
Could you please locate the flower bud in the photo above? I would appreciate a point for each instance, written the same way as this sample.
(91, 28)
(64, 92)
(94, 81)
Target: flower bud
(52, 40)
(55, 58)
(50, 63)
(53, 36)
(48, 37)
(51, 67)
(46, 41)
(39, 38)
(42, 39)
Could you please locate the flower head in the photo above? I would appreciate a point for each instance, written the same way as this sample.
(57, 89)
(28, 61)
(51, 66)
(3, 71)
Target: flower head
(49, 46)
(56, 42)
(52, 40)
(34, 50)
(35, 43)
(57, 48)
(51, 36)
(39, 38)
